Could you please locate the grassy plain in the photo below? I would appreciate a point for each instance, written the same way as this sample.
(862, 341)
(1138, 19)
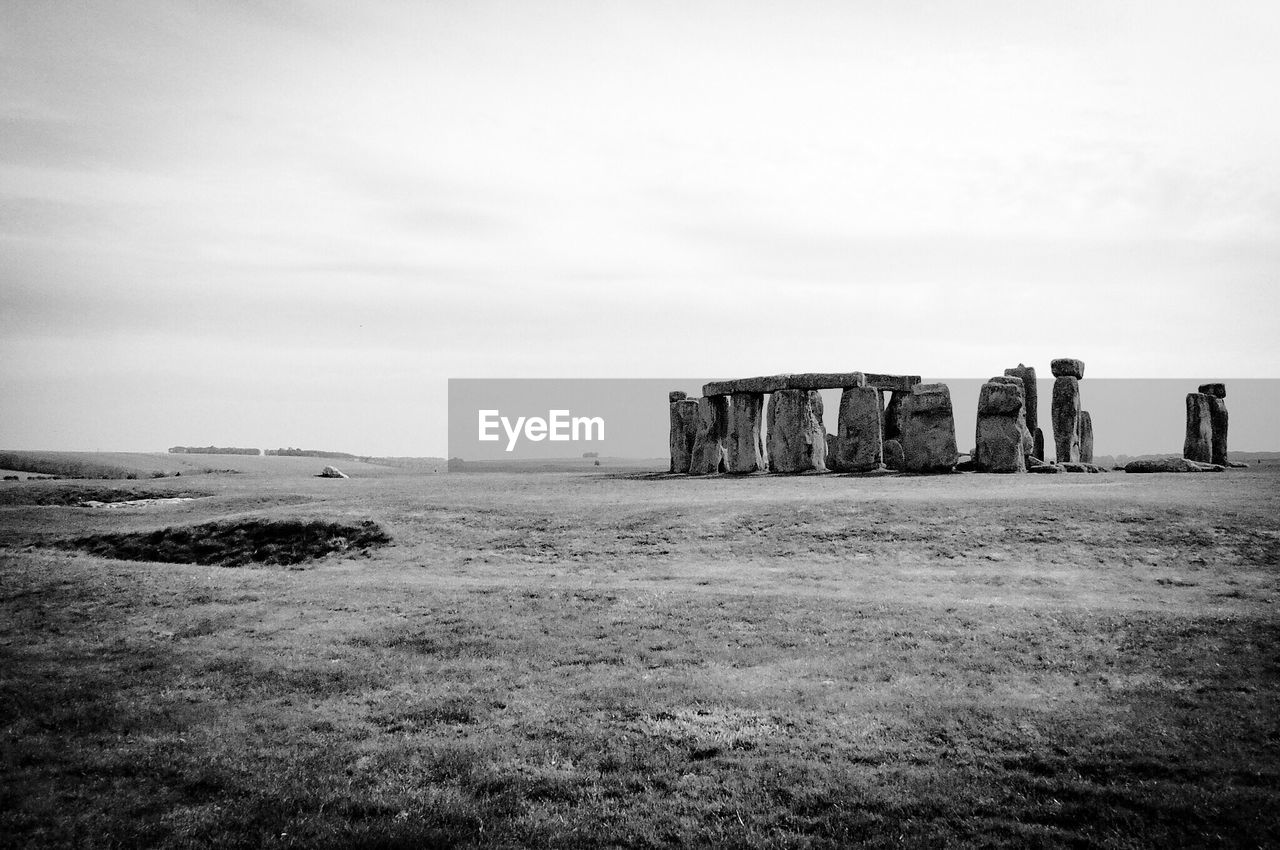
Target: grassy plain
(614, 659)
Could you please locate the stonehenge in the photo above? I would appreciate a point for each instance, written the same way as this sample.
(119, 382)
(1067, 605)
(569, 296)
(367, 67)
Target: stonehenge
(1067, 373)
(928, 430)
(684, 430)
(1002, 440)
(775, 424)
(708, 456)
(797, 439)
(859, 435)
(1086, 437)
(1198, 444)
(1217, 395)
(1030, 395)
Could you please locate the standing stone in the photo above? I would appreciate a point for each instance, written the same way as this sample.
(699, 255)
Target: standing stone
(858, 434)
(893, 416)
(1001, 436)
(1218, 425)
(1198, 444)
(831, 448)
(797, 438)
(708, 445)
(1066, 417)
(893, 455)
(1086, 437)
(928, 430)
(1030, 396)
(684, 431)
(744, 444)
(1038, 440)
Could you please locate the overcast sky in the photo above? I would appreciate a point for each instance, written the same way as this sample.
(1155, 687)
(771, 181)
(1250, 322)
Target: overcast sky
(289, 223)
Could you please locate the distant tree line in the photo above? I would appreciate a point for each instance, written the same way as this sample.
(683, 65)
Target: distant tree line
(212, 450)
(292, 452)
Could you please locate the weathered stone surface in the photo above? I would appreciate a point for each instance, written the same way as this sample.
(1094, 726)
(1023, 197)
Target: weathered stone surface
(1066, 419)
(897, 383)
(1037, 450)
(797, 438)
(1046, 469)
(893, 416)
(1218, 429)
(776, 383)
(1086, 437)
(893, 455)
(1067, 367)
(1169, 464)
(684, 431)
(708, 445)
(928, 430)
(1030, 396)
(1215, 390)
(859, 436)
(743, 440)
(999, 445)
(831, 449)
(1198, 444)
(332, 472)
(1235, 464)
(676, 395)
(1079, 467)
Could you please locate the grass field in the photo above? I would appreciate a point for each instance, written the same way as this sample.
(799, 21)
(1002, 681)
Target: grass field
(615, 659)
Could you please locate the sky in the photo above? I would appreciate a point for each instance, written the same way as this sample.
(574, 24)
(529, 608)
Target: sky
(290, 223)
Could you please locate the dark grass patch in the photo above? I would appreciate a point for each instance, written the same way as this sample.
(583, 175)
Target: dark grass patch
(69, 496)
(236, 543)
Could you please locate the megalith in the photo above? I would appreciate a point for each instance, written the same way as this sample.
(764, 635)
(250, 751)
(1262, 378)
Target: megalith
(744, 443)
(1002, 429)
(797, 439)
(684, 431)
(1038, 444)
(1086, 437)
(1030, 401)
(1066, 417)
(1217, 394)
(1067, 367)
(928, 429)
(893, 455)
(1198, 444)
(859, 437)
(708, 455)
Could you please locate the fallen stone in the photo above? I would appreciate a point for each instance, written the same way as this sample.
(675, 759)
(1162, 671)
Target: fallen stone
(1215, 390)
(777, 383)
(1046, 469)
(332, 472)
(684, 432)
(1198, 444)
(1170, 464)
(1218, 429)
(708, 455)
(1067, 367)
(1235, 464)
(743, 441)
(1066, 419)
(893, 458)
(928, 430)
(858, 438)
(1074, 467)
(1086, 437)
(797, 439)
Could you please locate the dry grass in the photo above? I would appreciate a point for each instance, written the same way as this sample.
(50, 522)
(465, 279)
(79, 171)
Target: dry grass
(579, 660)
